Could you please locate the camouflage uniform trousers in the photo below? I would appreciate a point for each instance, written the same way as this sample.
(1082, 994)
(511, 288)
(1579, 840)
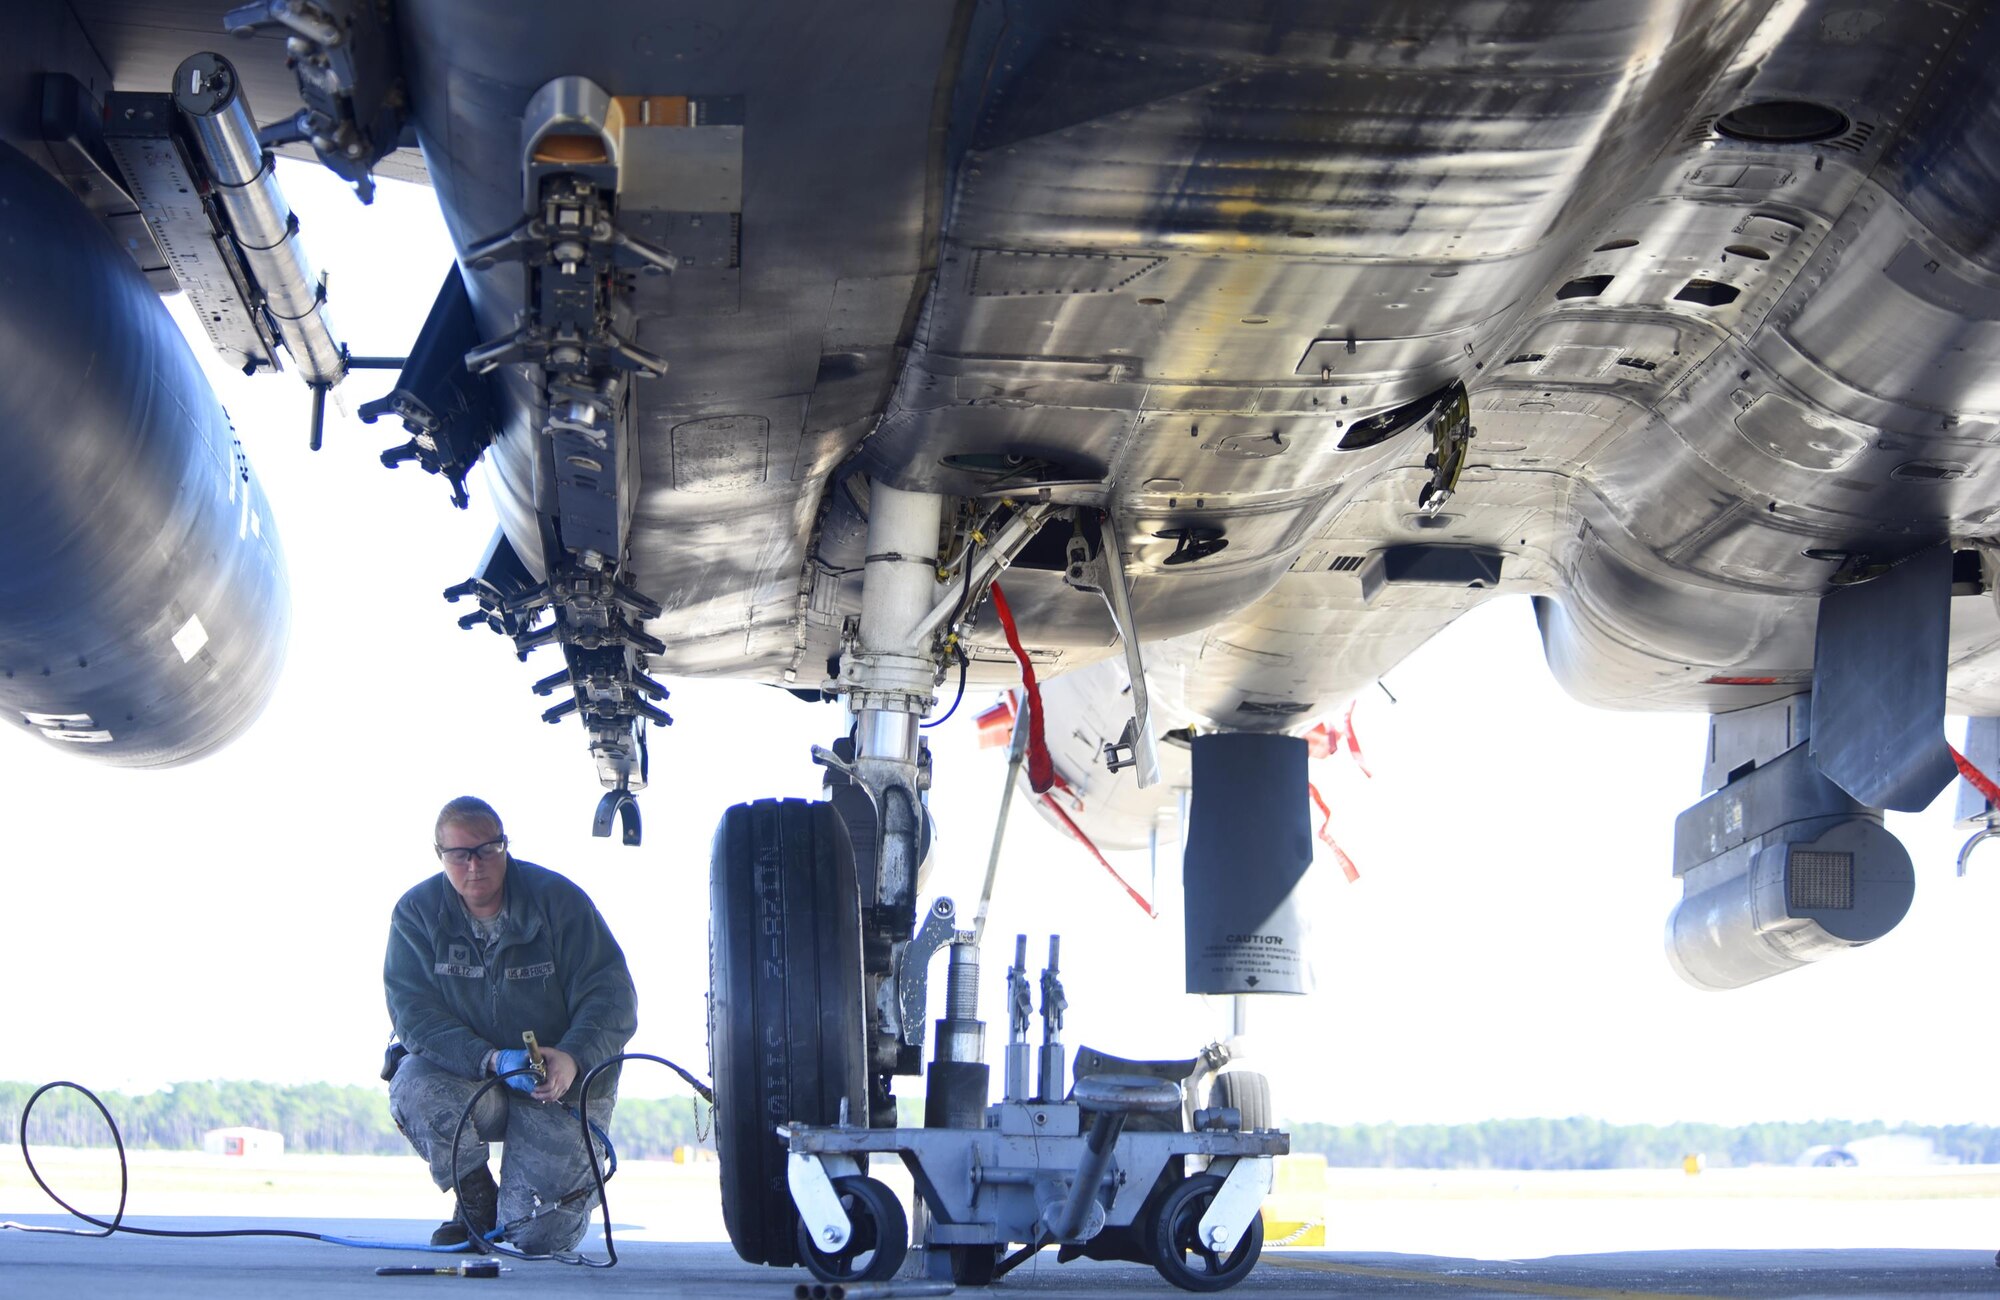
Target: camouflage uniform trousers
(543, 1162)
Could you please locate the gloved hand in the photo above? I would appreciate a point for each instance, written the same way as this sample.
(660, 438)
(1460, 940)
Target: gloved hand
(516, 1058)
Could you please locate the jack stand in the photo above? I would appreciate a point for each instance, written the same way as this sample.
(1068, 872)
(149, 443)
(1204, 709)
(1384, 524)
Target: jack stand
(1020, 1005)
(955, 1094)
(1053, 1006)
(1066, 1172)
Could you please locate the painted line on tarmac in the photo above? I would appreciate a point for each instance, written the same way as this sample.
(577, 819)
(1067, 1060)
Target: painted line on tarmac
(1483, 1282)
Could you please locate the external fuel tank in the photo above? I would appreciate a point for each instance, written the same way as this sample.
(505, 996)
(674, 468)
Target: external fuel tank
(143, 603)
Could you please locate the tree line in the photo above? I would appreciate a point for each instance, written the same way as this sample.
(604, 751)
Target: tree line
(1584, 1143)
(347, 1120)
(314, 1117)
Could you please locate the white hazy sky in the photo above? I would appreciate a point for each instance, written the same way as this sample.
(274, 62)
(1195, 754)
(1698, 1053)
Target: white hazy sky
(1501, 955)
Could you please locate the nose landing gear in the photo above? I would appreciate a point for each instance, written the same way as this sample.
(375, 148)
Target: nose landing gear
(817, 1000)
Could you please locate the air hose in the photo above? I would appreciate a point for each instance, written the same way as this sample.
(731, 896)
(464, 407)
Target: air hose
(599, 1176)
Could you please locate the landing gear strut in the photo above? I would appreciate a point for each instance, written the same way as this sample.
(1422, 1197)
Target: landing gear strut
(889, 669)
(805, 1023)
(819, 971)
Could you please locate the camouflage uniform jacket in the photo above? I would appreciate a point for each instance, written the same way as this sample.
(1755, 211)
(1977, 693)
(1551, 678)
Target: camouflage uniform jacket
(554, 969)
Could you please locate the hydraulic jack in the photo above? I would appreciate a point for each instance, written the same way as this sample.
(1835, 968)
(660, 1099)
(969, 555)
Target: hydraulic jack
(1115, 1169)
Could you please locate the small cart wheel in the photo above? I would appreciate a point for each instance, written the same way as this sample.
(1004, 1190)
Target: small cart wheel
(974, 1265)
(1176, 1249)
(880, 1240)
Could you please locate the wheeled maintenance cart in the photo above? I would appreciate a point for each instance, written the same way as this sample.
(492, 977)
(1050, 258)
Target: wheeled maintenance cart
(1177, 1189)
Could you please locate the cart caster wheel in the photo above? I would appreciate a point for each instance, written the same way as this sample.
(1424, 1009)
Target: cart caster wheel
(880, 1240)
(974, 1265)
(1177, 1251)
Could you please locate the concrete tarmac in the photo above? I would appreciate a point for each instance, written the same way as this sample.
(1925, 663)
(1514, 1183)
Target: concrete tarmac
(1470, 1233)
(124, 1266)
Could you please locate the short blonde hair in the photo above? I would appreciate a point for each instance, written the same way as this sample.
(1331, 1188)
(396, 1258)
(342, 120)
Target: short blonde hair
(467, 809)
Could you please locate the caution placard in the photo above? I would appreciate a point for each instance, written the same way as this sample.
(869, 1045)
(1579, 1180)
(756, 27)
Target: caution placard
(1249, 845)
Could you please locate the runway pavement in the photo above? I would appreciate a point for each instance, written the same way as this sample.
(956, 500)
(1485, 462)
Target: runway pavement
(1474, 1233)
(75, 1268)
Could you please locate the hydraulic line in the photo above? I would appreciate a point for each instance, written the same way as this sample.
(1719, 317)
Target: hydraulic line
(964, 661)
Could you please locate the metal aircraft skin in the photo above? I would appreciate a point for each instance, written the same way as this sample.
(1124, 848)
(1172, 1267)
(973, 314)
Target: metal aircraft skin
(1325, 322)
(1245, 344)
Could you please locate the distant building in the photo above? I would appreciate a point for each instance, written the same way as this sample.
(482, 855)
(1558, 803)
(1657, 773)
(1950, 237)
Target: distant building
(253, 1143)
(1883, 1151)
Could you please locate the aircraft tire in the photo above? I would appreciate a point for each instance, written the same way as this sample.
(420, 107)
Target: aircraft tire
(785, 1026)
(1249, 1092)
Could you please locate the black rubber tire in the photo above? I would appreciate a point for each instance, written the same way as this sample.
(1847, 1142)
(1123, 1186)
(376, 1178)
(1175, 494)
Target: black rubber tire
(881, 1237)
(785, 1016)
(1176, 1251)
(1249, 1092)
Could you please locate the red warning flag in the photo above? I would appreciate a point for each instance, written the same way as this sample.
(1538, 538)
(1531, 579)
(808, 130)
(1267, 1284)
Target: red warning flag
(1325, 741)
(1041, 767)
(996, 725)
(1347, 867)
(1353, 741)
(1977, 779)
(1076, 833)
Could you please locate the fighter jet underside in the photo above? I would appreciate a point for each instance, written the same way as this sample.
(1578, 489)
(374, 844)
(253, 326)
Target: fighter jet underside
(1245, 346)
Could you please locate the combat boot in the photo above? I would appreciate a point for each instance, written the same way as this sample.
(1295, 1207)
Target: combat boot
(478, 1205)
